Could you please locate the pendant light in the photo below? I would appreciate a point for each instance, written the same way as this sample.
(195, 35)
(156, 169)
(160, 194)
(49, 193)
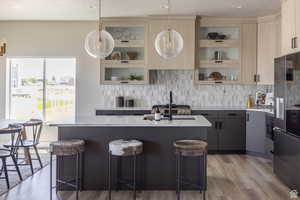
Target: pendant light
(3, 44)
(169, 43)
(99, 43)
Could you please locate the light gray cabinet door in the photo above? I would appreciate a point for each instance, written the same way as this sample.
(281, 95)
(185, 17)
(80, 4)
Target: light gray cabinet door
(255, 131)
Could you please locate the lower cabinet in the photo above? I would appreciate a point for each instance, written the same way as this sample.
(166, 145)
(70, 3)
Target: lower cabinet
(256, 132)
(228, 131)
(232, 136)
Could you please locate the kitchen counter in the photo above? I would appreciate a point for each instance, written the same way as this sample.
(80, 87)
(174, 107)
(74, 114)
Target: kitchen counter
(156, 164)
(133, 121)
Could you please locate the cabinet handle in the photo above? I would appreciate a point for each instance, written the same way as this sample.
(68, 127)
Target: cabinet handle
(218, 61)
(256, 78)
(296, 42)
(219, 41)
(204, 114)
(216, 125)
(218, 82)
(292, 43)
(248, 117)
(124, 41)
(124, 82)
(220, 125)
(124, 61)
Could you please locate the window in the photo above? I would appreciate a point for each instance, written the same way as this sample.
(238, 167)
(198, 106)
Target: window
(41, 88)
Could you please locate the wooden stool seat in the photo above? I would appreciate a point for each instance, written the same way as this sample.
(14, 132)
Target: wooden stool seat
(190, 147)
(125, 147)
(74, 148)
(67, 147)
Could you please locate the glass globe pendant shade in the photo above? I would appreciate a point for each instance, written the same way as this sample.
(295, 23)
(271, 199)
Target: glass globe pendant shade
(169, 44)
(96, 48)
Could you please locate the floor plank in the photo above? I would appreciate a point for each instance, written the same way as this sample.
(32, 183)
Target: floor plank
(230, 177)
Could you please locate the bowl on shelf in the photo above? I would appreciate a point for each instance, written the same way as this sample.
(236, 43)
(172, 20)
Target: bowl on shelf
(212, 35)
(221, 37)
(216, 76)
(132, 55)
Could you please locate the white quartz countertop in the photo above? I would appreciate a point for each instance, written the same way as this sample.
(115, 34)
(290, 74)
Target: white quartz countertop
(132, 121)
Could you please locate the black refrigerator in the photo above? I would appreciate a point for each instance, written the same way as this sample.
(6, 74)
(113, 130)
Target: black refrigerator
(287, 120)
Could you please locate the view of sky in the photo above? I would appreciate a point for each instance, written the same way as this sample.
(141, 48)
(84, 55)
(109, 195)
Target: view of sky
(33, 67)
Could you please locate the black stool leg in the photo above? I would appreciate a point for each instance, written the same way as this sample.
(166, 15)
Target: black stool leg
(204, 175)
(179, 178)
(50, 176)
(109, 175)
(134, 176)
(17, 167)
(5, 172)
(30, 161)
(176, 176)
(38, 156)
(119, 172)
(81, 171)
(77, 176)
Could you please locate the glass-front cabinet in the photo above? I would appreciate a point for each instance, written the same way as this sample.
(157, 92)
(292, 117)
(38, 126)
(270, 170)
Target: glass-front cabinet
(127, 64)
(219, 54)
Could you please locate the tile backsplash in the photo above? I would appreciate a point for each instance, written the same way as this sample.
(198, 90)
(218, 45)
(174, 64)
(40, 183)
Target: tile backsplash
(184, 89)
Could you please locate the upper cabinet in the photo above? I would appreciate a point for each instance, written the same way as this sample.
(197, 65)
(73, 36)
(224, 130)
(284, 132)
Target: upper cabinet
(291, 26)
(226, 52)
(127, 64)
(185, 25)
(249, 53)
(269, 37)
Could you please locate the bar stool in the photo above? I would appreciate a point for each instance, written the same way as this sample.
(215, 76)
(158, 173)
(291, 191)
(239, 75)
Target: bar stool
(190, 148)
(124, 148)
(15, 132)
(65, 148)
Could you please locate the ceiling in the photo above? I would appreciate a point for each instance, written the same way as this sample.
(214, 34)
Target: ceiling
(87, 9)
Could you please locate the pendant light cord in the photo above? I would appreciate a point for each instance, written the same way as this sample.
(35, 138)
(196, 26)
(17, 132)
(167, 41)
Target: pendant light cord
(100, 22)
(169, 14)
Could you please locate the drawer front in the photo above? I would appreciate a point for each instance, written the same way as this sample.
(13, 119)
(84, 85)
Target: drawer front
(206, 113)
(233, 114)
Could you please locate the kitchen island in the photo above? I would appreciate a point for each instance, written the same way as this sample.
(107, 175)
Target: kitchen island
(156, 166)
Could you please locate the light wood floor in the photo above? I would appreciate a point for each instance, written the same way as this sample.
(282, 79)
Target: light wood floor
(230, 177)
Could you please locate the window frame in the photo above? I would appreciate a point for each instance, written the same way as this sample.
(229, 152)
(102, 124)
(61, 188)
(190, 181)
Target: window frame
(8, 82)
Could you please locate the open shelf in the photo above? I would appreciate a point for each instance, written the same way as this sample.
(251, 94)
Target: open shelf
(127, 63)
(123, 75)
(229, 75)
(129, 43)
(219, 43)
(220, 63)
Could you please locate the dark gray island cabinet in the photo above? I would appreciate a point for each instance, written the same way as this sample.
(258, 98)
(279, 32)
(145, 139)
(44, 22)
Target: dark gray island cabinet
(156, 166)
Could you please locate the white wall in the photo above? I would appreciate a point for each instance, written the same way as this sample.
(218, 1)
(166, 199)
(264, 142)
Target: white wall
(51, 38)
